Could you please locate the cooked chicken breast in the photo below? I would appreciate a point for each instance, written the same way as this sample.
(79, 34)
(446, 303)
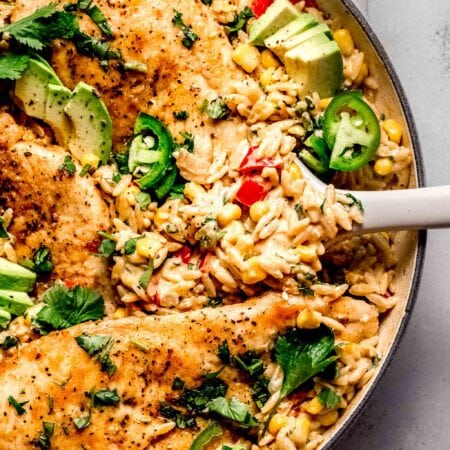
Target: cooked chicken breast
(51, 207)
(177, 79)
(180, 345)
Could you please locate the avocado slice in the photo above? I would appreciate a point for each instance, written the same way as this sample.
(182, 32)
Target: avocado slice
(5, 318)
(57, 97)
(281, 47)
(297, 26)
(15, 277)
(92, 125)
(277, 15)
(31, 89)
(317, 66)
(15, 302)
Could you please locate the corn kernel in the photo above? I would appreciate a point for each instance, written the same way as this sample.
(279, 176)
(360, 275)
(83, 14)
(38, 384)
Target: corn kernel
(193, 190)
(148, 245)
(266, 77)
(307, 253)
(229, 213)
(329, 418)
(314, 406)
(244, 243)
(269, 60)
(254, 273)
(246, 56)
(363, 73)
(344, 40)
(309, 319)
(383, 166)
(258, 210)
(91, 160)
(120, 313)
(393, 130)
(160, 218)
(295, 171)
(277, 422)
(300, 430)
(324, 102)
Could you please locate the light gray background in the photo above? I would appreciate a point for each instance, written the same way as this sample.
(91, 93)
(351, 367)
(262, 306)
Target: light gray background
(410, 408)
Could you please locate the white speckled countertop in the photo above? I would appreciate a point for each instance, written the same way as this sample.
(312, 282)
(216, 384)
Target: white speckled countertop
(409, 410)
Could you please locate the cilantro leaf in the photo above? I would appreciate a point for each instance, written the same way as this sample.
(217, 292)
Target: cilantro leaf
(41, 262)
(249, 361)
(44, 439)
(144, 280)
(178, 384)
(189, 36)
(104, 397)
(68, 165)
(82, 422)
(329, 399)
(106, 248)
(260, 391)
(12, 66)
(239, 22)
(355, 201)
(196, 400)
(32, 31)
(9, 342)
(67, 307)
(218, 109)
(19, 407)
(98, 346)
(181, 420)
(303, 354)
(130, 246)
(181, 115)
(233, 410)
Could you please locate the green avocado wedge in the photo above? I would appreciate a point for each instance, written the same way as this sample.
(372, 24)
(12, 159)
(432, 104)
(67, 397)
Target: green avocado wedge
(15, 277)
(15, 302)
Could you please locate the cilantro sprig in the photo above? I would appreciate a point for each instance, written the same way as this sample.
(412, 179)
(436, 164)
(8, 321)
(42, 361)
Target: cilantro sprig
(189, 36)
(12, 66)
(98, 347)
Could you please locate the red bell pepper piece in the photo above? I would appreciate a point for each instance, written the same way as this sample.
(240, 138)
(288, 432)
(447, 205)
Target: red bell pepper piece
(184, 253)
(252, 190)
(259, 6)
(251, 164)
(311, 4)
(205, 262)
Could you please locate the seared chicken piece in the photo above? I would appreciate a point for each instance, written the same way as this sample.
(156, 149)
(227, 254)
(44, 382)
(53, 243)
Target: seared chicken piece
(51, 207)
(180, 345)
(177, 79)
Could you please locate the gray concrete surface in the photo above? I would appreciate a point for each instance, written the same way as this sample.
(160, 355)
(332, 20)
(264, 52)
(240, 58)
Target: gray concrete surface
(410, 410)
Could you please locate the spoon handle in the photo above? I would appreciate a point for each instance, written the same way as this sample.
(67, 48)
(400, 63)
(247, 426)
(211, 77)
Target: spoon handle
(409, 209)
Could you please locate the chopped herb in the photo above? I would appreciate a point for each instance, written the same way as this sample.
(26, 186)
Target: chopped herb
(181, 420)
(224, 353)
(218, 109)
(137, 66)
(189, 36)
(106, 248)
(249, 361)
(303, 354)
(355, 201)
(3, 233)
(233, 410)
(93, 12)
(203, 106)
(260, 391)
(211, 375)
(44, 439)
(121, 160)
(306, 291)
(234, 447)
(66, 307)
(144, 280)
(130, 246)
(206, 436)
(12, 66)
(178, 384)
(140, 344)
(19, 407)
(50, 403)
(143, 199)
(104, 397)
(299, 210)
(82, 422)
(9, 342)
(196, 400)
(85, 170)
(90, 46)
(207, 2)
(188, 143)
(329, 399)
(213, 302)
(181, 115)
(41, 262)
(239, 22)
(171, 229)
(99, 347)
(68, 165)
(116, 177)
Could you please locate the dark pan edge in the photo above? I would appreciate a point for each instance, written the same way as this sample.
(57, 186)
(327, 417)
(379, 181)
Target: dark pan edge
(422, 238)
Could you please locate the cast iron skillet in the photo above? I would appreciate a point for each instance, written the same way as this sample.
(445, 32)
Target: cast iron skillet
(411, 260)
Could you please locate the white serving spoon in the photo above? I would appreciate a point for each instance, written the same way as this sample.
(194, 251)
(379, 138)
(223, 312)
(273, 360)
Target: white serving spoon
(404, 209)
